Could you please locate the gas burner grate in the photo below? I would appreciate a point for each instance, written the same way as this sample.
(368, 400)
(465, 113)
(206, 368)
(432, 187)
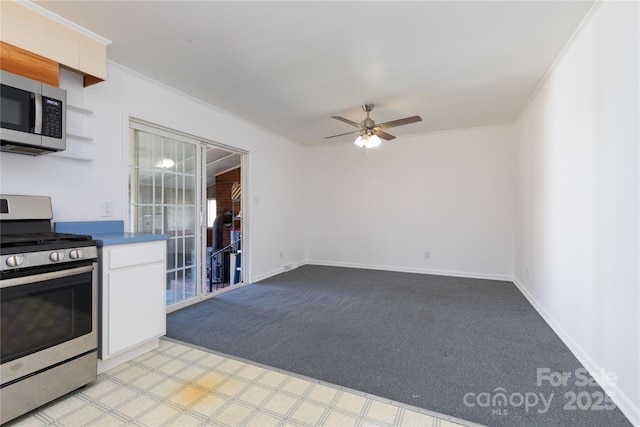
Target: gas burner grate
(36, 239)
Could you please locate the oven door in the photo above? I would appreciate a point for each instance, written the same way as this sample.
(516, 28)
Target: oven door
(46, 319)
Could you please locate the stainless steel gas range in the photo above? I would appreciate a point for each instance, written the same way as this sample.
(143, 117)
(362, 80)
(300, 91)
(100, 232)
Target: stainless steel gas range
(48, 313)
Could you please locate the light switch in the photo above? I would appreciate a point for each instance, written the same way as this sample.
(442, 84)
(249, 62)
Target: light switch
(106, 208)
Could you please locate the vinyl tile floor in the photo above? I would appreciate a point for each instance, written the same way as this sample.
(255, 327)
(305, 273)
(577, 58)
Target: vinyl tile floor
(179, 385)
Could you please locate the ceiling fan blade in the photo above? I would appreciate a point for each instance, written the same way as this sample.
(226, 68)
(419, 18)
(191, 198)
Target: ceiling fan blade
(342, 134)
(399, 122)
(347, 121)
(382, 134)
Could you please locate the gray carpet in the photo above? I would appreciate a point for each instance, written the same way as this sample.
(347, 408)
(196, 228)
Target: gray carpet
(450, 345)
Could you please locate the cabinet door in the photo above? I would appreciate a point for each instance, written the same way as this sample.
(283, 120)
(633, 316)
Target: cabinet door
(136, 310)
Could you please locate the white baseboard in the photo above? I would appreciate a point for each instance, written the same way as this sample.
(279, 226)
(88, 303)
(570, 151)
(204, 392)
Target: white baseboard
(119, 359)
(624, 403)
(286, 267)
(465, 274)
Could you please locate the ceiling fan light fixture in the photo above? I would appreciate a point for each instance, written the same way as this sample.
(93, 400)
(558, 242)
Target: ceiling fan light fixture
(165, 163)
(367, 141)
(374, 141)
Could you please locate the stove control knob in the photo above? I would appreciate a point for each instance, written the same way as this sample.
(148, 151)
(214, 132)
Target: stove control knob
(15, 260)
(76, 254)
(56, 256)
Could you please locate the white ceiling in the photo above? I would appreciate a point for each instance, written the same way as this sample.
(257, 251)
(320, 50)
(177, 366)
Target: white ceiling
(289, 66)
(219, 161)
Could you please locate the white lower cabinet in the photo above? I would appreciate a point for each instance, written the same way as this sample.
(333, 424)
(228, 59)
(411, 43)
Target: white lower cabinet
(132, 299)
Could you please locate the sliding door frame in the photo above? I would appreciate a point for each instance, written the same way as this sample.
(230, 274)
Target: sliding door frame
(201, 236)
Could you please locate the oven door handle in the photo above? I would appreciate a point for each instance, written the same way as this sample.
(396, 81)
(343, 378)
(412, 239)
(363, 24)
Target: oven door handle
(45, 276)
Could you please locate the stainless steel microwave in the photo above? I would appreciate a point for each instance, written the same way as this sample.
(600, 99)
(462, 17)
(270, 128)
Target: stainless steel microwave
(33, 116)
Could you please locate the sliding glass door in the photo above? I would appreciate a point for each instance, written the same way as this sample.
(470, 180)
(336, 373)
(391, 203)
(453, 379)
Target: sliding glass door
(165, 198)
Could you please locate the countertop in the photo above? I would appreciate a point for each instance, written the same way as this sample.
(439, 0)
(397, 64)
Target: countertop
(107, 233)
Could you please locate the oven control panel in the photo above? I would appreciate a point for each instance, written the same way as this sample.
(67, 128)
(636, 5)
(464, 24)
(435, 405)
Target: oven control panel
(47, 257)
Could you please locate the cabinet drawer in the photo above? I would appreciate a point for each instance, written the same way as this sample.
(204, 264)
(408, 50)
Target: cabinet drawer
(136, 254)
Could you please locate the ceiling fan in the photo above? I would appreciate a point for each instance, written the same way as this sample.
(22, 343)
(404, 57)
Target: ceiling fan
(370, 132)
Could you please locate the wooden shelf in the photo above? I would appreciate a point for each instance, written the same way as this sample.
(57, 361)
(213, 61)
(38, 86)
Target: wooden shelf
(79, 145)
(80, 137)
(67, 154)
(79, 109)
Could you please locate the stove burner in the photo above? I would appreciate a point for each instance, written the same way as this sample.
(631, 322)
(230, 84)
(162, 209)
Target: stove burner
(36, 239)
(28, 244)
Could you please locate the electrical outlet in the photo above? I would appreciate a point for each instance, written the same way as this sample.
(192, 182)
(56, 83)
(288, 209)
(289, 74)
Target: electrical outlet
(281, 253)
(427, 254)
(106, 208)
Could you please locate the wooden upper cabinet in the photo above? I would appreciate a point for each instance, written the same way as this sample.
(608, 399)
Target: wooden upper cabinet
(92, 58)
(49, 40)
(27, 64)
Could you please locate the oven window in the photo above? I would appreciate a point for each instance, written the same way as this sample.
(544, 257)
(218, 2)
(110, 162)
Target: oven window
(40, 315)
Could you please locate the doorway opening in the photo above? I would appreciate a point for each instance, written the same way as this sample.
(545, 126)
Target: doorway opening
(224, 219)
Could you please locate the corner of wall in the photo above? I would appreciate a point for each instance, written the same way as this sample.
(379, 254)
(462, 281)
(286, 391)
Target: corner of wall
(622, 400)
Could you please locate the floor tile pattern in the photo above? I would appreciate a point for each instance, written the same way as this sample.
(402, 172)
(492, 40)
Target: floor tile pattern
(178, 385)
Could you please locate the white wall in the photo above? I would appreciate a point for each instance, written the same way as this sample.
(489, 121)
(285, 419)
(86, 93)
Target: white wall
(78, 187)
(577, 256)
(449, 193)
